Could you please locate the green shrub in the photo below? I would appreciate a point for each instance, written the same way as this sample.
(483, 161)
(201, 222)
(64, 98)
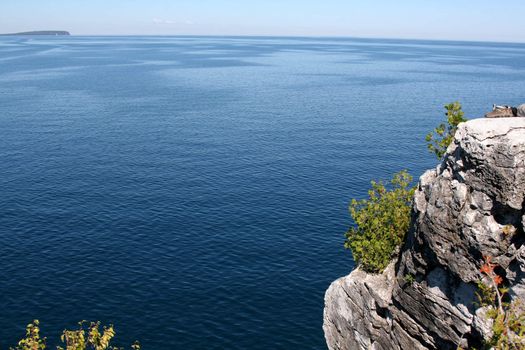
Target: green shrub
(381, 222)
(409, 278)
(83, 338)
(442, 136)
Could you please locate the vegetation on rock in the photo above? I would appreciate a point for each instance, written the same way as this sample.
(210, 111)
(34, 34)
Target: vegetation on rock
(443, 134)
(507, 317)
(381, 222)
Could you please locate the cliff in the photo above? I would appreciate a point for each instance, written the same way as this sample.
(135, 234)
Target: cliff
(462, 211)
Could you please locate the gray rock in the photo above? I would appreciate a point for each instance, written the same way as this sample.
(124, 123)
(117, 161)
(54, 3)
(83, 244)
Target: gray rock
(521, 111)
(461, 212)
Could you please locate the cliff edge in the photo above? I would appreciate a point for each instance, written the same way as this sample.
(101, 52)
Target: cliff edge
(470, 206)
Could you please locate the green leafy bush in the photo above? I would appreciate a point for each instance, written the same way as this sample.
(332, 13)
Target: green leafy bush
(83, 338)
(381, 222)
(442, 136)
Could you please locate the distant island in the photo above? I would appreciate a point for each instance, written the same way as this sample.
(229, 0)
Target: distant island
(41, 32)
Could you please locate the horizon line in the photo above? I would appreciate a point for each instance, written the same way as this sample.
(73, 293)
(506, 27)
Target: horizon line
(276, 36)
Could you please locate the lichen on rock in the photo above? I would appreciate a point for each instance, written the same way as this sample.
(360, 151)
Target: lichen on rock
(470, 206)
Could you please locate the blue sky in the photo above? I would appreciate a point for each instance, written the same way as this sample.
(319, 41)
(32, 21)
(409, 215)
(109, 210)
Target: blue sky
(429, 19)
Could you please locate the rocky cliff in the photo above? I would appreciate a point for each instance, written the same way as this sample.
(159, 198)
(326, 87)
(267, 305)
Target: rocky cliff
(470, 206)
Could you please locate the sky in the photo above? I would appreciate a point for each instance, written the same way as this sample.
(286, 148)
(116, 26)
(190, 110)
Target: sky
(480, 20)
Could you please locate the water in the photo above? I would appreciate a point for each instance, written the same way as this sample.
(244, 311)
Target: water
(193, 190)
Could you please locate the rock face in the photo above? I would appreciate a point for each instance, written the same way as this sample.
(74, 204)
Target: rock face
(471, 206)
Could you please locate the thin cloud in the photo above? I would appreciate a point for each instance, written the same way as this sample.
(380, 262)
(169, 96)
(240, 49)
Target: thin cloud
(162, 21)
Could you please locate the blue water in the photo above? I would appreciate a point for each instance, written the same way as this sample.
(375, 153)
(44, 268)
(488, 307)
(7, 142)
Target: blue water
(193, 190)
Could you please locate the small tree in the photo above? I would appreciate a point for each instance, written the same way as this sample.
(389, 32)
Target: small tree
(381, 222)
(442, 136)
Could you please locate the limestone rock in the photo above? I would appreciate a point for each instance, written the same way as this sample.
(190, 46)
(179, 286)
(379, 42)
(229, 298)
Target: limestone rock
(470, 206)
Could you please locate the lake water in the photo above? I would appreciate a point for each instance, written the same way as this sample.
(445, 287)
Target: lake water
(193, 190)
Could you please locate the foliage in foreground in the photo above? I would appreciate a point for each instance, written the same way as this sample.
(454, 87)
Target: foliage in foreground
(84, 338)
(508, 317)
(381, 222)
(442, 136)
